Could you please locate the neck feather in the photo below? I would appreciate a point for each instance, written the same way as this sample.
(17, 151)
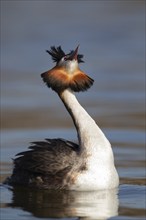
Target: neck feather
(89, 134)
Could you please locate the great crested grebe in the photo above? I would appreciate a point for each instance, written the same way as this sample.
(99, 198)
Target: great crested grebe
(62, 164)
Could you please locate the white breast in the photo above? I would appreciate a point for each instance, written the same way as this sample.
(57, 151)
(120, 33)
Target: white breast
(100, 171)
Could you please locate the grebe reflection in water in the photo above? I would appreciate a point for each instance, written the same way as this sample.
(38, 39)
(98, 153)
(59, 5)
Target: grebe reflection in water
(59, 163)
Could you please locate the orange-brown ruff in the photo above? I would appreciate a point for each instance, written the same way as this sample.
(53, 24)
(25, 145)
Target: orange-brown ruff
(62, 164)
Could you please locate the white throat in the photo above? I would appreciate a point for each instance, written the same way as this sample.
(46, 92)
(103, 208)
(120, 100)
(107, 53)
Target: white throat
(69, 65)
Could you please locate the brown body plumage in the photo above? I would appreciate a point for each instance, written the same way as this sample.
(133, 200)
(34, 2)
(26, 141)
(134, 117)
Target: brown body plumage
(48, 164)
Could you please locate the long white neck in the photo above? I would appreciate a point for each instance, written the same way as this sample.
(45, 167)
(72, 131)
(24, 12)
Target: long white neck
(89, 134)
(95, 150)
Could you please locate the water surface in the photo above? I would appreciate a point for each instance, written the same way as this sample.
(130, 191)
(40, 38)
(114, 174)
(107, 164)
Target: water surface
(111, 37)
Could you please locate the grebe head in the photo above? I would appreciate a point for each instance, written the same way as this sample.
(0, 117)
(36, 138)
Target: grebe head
(66, 74)
(70, 61)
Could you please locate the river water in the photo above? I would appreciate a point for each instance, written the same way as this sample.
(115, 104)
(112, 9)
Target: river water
(111, 35)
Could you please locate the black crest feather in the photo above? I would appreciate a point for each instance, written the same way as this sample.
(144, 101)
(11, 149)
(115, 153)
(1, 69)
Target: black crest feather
(57, 53)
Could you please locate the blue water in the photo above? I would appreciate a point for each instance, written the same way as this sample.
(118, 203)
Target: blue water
(111, 35)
